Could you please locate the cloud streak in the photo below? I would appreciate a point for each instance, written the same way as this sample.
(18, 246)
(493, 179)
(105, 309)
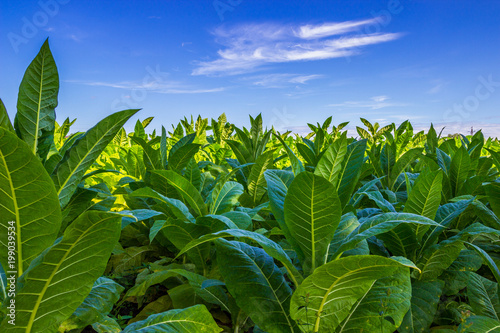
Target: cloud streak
(160, 88)
(248, 47)
(375, 103)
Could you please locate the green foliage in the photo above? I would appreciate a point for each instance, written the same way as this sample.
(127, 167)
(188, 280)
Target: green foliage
(212, 227)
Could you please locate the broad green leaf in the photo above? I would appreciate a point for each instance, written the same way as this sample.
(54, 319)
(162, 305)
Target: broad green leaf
(181, 233)
(195, 319)
(297, 166)
(186, 190)
(257, 285)
(271, 248)
(187, 140)
(424, 302)
(312, 214)
(55, 287)
(445, 215)
(379, 200)
(425, 195)
(479, 324)
(177, 207)
(493, 192)
(29, 207)
(457, 275)
(225, 197)
(483, 296)
(278, 182)
(242, 154)
(487, 260)
(241, 219)
(150, 156)
(84, 152)
(193, 174)
(256, 180)
(329, 166)
(348, 223)
(104, 294)
(379, 224)
(107, 325)
(36, 103)
(4, 118)
(459, 169)
(181, 157)
(350, 170)
(437, 258)
(402, 163)
(325, 298)
(401, 240)
(216, 222)
(213, 294)
(383, 307)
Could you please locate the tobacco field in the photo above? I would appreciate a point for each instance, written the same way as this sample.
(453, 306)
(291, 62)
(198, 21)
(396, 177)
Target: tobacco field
(208, 227)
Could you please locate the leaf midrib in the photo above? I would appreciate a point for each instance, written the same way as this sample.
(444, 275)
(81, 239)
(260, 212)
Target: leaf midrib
(56, 268)
(18, 219)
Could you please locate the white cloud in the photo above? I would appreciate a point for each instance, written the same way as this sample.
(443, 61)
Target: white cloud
(164, 87)
(281, 80)
(331, 28)
(251, 46)
(375, 102)
(437, 87)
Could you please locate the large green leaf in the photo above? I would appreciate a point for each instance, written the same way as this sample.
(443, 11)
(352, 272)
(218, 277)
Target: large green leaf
(212, 294)
(297, 166)
(459, 169)
(479, 324)
(425, 196)
(402, 240)
(273, 249)
(424, 302)
(195, 319)
(383, 307)
(278, 182)
(186, 190)
(180, 157)
(4, 118)
(350, 170)
(36, 103)
(457, 275)
(487, 260)
(493, 192)
(181, 233)
(325, 298)
(483, 296)
(402, 163)
(84, 152)
(29, 207)
(225, 196)
(177, 207)
(61, 279)
(104, 294)
(437, 258)
(312, 214)
(329, 166)
(377, 225)
(256, 180)
(257, 285)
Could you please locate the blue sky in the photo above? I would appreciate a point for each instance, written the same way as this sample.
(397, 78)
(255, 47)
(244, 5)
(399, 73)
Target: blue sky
(293, 61)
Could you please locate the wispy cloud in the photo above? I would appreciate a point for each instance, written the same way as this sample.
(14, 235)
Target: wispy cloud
(437, 86)
(251, 46)
(281, 80)
(161, 88)
(375, 102)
